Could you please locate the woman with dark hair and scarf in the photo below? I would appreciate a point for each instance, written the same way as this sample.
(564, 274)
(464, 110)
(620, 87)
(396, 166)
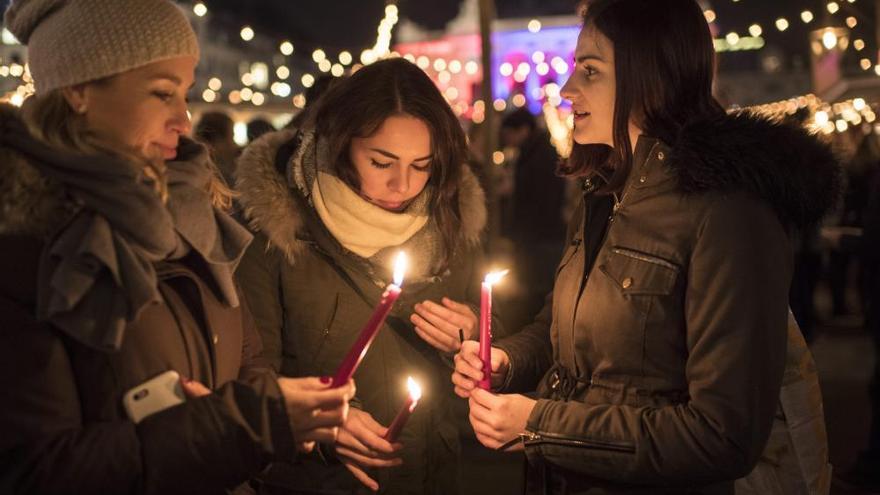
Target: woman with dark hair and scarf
(660, 358)
(378, 168)
(117, 266)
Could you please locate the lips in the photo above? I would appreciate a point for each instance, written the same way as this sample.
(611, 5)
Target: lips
(389, 205)
(580, 115)
(168, 152)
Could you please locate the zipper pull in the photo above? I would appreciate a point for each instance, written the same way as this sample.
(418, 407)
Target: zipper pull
(528, 436)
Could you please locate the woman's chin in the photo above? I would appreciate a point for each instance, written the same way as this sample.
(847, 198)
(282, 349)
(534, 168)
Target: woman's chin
(586, 139)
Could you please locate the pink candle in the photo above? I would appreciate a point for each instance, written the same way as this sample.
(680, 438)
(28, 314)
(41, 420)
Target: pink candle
(486, 326)
(369, 331)
(415, 393)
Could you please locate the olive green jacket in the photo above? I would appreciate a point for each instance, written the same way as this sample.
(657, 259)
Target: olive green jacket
(662, 364)
(310, 298)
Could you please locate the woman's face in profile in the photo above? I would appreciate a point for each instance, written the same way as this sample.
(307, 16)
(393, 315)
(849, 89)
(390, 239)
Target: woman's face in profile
(144, 109)
(394, 164)
(591, 89)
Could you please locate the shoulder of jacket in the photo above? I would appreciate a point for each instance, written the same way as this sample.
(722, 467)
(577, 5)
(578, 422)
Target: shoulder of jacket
(267, 201)
(30, 203)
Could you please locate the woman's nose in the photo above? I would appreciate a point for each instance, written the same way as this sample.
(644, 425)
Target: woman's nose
(181, 122)
(399, 182)
(567, 91)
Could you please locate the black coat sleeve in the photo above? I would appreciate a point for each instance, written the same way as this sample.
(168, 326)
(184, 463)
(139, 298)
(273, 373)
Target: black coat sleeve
(259, 277)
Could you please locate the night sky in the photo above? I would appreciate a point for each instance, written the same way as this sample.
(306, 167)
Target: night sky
(351, 24)
(336, 25)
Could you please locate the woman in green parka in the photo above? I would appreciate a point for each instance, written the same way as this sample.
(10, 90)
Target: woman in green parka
(378, 168)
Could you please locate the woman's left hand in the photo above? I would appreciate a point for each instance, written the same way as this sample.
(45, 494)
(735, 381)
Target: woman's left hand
(499, 418)
(438, 325)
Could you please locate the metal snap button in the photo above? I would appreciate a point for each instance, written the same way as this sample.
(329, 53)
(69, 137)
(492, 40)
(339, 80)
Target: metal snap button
(216, 339)
(661, 156)
(643, 179)
(627, 282)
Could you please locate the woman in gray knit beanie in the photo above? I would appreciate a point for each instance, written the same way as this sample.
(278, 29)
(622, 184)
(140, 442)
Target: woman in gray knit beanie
(117, 268)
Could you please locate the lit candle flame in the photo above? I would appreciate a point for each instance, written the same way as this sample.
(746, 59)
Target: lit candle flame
(399, 268)
(493, 278)
(415, 391)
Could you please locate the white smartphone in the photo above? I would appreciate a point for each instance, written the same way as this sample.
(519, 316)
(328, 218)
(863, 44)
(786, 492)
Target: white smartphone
(154, 395)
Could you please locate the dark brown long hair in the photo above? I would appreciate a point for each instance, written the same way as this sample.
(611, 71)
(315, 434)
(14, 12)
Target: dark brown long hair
(664, 65)
(357, 107)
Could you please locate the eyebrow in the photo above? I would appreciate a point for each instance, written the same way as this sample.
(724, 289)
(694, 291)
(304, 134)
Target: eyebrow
(170, 77)
(395, 157)
(589, 56)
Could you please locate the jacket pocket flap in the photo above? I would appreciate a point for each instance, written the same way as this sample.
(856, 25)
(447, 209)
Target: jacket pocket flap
(638, 273)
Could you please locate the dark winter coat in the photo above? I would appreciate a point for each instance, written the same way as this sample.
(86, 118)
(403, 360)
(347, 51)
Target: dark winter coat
(669, 353)
(310, 298)
(63, 428)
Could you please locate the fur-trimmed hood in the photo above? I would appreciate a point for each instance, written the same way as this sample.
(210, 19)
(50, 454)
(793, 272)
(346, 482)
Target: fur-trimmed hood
(270, 207)
(780, 162)
(30, 203)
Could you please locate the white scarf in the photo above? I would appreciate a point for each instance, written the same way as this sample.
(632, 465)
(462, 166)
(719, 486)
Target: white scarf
(362, 227)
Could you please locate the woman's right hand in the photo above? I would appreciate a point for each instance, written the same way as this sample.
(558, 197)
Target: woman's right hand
(315, 410)
(360, 445)
(469, 368)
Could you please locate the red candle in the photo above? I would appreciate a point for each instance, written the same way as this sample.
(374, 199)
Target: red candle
(415, 393)
(369, 331)
(486, 326)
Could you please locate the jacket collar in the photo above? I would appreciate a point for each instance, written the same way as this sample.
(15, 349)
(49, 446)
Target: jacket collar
(271, 206)
(778, 161)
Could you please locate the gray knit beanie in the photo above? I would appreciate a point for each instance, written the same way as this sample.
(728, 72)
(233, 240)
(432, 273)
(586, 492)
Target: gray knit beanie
(76, 41)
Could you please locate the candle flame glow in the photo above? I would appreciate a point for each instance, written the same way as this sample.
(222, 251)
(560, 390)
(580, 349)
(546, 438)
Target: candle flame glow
(399, 268)
(493, 278)
(415, 391)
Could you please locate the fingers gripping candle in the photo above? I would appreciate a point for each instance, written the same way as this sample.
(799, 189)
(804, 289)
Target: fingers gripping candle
(415, 393)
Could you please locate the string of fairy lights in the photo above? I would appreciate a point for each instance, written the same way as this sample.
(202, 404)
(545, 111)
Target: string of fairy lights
(823, 117)
(828, 38)
(278, 79)
(258, 73)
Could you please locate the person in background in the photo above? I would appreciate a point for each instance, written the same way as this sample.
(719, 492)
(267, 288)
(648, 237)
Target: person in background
(865, 472)
(215, 130)
(536, 225)
(313, 93)
(117, 267)
(378, 168)
(659, 361)
(257, 127)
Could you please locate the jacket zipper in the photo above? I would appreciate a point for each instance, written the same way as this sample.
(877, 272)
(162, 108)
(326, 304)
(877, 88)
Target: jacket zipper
(532, 438)
(614, 209)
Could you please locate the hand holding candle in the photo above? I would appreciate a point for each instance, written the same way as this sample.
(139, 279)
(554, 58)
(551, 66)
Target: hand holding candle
(469, 368)
(415, 393)
(486, 326)
(369, 331)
